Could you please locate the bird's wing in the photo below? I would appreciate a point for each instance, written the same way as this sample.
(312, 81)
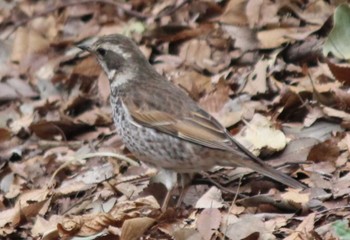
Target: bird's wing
(195, 126)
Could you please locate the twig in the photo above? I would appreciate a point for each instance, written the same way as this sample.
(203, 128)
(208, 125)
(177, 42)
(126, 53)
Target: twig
(45, 144)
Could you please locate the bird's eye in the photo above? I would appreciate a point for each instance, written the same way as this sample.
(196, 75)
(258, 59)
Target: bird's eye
(101, 51)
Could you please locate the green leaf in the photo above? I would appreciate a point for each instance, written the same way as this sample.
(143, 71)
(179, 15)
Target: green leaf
(339, 38)
(341, 229)
(134, 27)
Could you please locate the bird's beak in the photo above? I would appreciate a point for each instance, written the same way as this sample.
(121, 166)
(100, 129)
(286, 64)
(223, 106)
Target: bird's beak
(87, 44)
(84, 46)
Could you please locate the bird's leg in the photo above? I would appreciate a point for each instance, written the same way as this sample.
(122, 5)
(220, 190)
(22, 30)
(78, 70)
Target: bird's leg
(166, 200)
(185, 180)
(169, 179)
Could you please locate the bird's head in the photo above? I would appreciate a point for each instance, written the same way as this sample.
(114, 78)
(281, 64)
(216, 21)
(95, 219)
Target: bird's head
(119, 57)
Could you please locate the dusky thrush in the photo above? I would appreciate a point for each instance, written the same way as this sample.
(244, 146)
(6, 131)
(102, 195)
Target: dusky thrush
(160, 124)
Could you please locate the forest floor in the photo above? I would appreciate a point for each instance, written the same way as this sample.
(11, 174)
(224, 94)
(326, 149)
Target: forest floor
(257, 66)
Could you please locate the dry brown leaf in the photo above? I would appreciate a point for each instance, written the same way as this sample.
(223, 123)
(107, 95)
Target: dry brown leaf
(132, 208)
(85, 225)
(340, 72)
(167, 63)
(77, 102)
(10, 217)
(253, 12)
(304, 229)
(7, 93)
(321, 130)
(27, 41)
(235, 13)
(296, 196)
(43, 227)
(262, 13)
(295, 152)
(5, 134)
(22, 123)
(218, 103)
(134, 228)
(244, 38)
(208, 222)
(28, 205)
(53, 129)
(187, 234)
(22, 88)
(196, 53)
(331, 112)
(236, 210)
(79, 10)
(96, 174)
(211, 199)
(71, 189)
(46, 26)
(194, 83)
(173, 33)
(257, 80)
(327, 151)
(15, 88)
(88, 67)
(95, 117)
(313, 115)
(317, 12)
(276, 37)
(341, 187)
(246, 226)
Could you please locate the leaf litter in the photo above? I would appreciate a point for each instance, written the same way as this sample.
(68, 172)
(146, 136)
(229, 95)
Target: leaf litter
(257, 66)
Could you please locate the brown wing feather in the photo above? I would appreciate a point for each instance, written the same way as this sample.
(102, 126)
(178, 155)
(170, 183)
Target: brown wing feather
(196, 127)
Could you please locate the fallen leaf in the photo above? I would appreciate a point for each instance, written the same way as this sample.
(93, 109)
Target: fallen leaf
(336, 42)
(211, 199)
(208, 222)
(304, 228)
(257, 80)
(260, 135)
(246, 226)
(27, 41)
(276, 37)
(85, 225)
(5, 134)
(134, 228)
(235, 13)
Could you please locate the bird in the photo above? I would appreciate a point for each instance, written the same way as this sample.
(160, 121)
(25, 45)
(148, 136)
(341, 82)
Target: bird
(161, 124)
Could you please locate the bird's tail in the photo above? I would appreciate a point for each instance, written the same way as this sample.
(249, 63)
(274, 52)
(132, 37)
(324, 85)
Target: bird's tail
(268, 171)
(245, 158)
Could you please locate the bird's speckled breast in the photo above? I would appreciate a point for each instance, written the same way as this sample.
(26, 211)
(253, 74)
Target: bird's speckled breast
(156, 148)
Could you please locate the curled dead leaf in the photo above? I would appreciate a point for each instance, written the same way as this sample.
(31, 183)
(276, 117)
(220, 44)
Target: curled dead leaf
(85, 225)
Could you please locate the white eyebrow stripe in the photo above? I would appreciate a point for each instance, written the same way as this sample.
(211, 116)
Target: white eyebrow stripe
(117, 49)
